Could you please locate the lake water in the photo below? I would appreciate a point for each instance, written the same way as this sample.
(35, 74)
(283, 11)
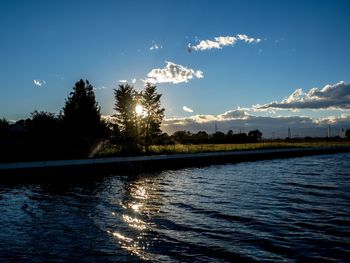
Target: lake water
(280, 210)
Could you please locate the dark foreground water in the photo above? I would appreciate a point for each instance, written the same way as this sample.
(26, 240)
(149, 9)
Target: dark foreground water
(280, 210)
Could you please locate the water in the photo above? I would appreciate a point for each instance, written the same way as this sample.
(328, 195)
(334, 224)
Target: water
(281, 210)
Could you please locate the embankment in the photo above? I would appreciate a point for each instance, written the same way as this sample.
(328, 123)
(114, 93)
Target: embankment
(117, 165)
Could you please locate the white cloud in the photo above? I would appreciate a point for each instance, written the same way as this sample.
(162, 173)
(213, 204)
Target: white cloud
(39, 83)
(187, 109)
(233, 114)
(222, 41)
(101, 88)
(155, 47)
(336, 96)
(247, 39)
(172, 73)
(133, 81)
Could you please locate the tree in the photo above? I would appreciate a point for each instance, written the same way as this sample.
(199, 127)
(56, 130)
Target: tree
(255, 135)
(347, 133)
(218, 137)
(81, 121)
(201, 137)
(164, 139)
(81, 113)
(42, 123)
(182, 137)
(153, 113)
(44, 135)
(4, 126)
(125, 104)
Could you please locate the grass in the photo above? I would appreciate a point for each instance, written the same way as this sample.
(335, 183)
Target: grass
(113, 150)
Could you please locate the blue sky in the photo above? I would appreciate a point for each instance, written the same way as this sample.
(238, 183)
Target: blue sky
(302, 44)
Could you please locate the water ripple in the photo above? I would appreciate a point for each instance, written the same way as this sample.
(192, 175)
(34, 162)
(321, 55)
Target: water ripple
(273, 211)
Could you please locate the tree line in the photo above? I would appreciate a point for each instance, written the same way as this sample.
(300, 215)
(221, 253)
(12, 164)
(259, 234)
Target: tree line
(79, 126)
(202, 137)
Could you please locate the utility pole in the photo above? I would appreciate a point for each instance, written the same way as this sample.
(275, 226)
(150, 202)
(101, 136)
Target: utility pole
(289, 133)
(329, 131)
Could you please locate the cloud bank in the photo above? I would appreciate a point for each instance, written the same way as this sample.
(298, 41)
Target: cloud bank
(241, 121)
(221, 41)
(172, 73)
(336, 96)
(39, 83)
(187, 109)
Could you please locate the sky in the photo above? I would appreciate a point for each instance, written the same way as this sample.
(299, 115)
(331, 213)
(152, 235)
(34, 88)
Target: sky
(243, 65)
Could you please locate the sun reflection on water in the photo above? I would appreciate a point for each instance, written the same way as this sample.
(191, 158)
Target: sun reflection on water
(134, 222)
(140, 193)
(140, 203)
(120, 236)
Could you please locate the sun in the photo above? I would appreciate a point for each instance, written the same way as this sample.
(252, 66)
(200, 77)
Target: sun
(139, 110)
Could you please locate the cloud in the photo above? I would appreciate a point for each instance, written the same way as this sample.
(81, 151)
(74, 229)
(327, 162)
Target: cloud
(247, 39)
(101, 88)
(155, 47)
(187, 109)
(39, 83)
(241, 121)
(221, 41)
(172, 73)
(233, 114)
(336, 96)
(133, 81)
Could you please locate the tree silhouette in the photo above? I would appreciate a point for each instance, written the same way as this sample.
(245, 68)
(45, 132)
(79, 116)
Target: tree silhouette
(255, 135)
(81, 120)
(201, 137)
(153, 115)
(81, 113)
(218, 137)
(125, 104)
(182, 136)
(41, 123)
(44, 135)
(347, 133)
(4, 127)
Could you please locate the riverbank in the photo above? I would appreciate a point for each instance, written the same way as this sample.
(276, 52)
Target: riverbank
(115, 165)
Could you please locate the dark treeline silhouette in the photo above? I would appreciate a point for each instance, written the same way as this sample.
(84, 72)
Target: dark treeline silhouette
(79, 130)
(202, 137)
(45, 135)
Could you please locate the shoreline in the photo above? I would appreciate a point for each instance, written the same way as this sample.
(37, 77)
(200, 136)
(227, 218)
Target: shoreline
(116, 165)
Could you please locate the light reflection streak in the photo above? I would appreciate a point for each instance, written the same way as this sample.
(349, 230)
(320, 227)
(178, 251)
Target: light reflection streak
(140, 199)
(120, 236)
(134, 222)
(140, 193)
(136, 207)
(128, 244)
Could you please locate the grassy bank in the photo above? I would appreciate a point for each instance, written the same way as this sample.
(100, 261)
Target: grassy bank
(114, 150)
